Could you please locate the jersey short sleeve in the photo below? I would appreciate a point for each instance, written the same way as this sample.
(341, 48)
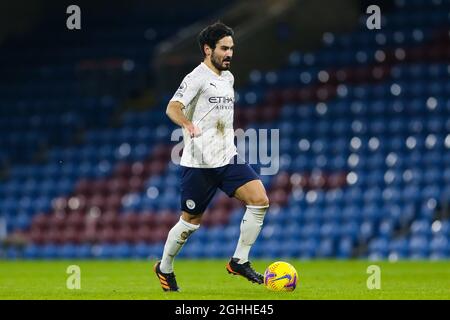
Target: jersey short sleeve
(188, 89)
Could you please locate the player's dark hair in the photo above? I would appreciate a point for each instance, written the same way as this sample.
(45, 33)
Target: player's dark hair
(212, 34)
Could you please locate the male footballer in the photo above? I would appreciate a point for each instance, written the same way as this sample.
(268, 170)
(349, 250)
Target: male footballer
(203, 106)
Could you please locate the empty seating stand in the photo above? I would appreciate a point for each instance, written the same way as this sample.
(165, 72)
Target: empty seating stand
(364, 157)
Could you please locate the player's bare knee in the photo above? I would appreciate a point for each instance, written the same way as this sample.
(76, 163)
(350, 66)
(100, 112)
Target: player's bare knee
(260, 200)
(190, 218)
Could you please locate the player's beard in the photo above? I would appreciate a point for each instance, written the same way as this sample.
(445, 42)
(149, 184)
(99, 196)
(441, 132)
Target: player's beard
(219, 64)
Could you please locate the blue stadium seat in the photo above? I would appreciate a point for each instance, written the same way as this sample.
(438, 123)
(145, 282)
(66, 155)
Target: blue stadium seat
(141, 250)
(49, 251)
(122, 251)
(419, 247)
(66, 251)
(345, 248)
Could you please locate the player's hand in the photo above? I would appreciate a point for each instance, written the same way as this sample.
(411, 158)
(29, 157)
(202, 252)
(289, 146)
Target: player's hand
(193, 130)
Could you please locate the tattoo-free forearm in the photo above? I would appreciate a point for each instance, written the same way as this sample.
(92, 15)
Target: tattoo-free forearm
(175, 113)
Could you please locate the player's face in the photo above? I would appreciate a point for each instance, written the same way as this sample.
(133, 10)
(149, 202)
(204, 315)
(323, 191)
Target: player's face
(223, 53)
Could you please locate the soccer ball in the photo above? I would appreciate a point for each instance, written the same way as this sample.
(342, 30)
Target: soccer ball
(280, 276)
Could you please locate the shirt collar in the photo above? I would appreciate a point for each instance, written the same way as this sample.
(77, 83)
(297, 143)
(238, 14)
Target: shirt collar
(206, 67)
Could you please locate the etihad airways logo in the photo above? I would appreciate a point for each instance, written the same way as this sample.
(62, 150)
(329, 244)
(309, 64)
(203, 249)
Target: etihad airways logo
(221, 100)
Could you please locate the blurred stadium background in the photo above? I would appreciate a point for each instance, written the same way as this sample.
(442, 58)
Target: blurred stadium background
(364, 119)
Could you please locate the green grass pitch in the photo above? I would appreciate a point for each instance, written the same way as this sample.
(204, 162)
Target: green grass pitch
(208, 279)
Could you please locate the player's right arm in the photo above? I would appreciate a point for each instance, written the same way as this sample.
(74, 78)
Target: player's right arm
(175, 112)
(188, 89)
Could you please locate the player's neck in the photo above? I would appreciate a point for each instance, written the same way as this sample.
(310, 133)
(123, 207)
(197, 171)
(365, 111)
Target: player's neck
(212, 67)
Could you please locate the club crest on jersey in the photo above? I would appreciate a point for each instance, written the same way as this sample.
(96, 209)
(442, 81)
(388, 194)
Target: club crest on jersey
(190, 204)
